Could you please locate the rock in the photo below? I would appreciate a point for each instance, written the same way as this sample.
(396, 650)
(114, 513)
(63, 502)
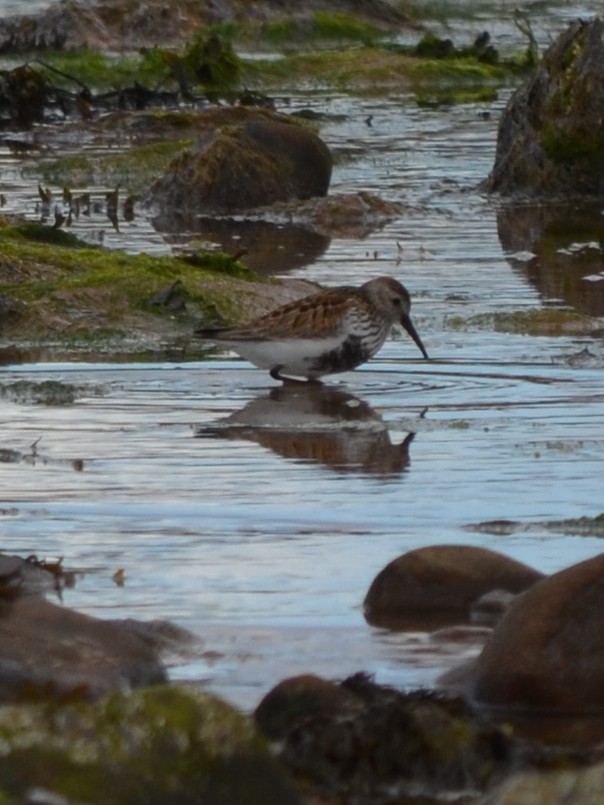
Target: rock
(301, 697)
(49, 650)
(69, 25)
(63, 26)
(440, 583)
(164, 744)
(547, 653)
(21, 576)
(115, 25)
(490, 607)
(244, 159)
(550, 140)
(372, 744)
(353, 215)
(297, 232)
(23, 95)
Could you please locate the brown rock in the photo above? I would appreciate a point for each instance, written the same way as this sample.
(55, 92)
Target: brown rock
(388, 746)
(550, 139)
(547, 653)
(21, 576)
(440, 583)
(299, 698)
(52, 650)
(490, 607)
(244, 159)
(352, 215)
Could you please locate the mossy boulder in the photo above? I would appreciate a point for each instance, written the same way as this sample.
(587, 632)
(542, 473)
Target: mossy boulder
(163, 744)
(551, 139)
(242, 160)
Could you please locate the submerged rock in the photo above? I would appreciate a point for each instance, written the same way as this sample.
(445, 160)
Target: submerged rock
(550, 140)
(243, 159)
(440, 584)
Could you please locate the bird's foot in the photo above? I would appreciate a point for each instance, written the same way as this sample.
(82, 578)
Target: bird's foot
(275, 373)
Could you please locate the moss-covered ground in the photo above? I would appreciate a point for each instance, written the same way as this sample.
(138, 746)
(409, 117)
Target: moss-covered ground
(156, 745)
(56, 286)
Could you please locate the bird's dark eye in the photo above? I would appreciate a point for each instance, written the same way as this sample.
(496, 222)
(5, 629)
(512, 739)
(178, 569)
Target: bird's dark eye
(396, 300)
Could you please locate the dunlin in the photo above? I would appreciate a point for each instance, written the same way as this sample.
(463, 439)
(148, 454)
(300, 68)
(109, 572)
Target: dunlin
(331, 331)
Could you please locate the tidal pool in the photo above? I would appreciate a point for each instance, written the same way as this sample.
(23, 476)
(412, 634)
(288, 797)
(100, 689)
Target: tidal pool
(258, 520)
(251, 536)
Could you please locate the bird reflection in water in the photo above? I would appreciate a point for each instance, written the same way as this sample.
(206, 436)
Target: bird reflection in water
(313, 422)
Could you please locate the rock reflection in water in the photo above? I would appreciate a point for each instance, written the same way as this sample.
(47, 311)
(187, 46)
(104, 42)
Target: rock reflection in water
(269, 248)
(559, 248)
(316, 423)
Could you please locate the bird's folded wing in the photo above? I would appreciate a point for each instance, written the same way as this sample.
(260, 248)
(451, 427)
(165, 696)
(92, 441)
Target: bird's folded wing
(320, 316)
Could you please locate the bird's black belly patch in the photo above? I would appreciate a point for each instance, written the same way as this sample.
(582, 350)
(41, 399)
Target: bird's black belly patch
(347, 356)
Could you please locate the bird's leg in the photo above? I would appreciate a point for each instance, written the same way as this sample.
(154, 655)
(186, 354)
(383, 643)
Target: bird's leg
(275, 373)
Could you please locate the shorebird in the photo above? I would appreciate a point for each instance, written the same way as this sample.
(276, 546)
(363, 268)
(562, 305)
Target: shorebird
(331, 331)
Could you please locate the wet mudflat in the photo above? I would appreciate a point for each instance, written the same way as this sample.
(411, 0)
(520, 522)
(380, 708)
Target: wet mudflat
(257, 518)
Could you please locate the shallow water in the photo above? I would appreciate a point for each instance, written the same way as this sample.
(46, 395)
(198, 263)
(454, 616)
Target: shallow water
(255, 520)
(264, 540)
(10, 7)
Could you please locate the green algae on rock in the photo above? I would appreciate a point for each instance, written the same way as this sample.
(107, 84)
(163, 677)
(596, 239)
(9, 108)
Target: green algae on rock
(332, 49)
(243, 159)
(549, 141)
(540, 321)
(156, 745)
(575, 526)
(50, 279)
(116, 26)
(72, 293)
(46, 392)
(131, 169)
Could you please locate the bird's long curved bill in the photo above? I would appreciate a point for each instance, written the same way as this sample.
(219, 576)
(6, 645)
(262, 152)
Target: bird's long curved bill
(408, 325)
